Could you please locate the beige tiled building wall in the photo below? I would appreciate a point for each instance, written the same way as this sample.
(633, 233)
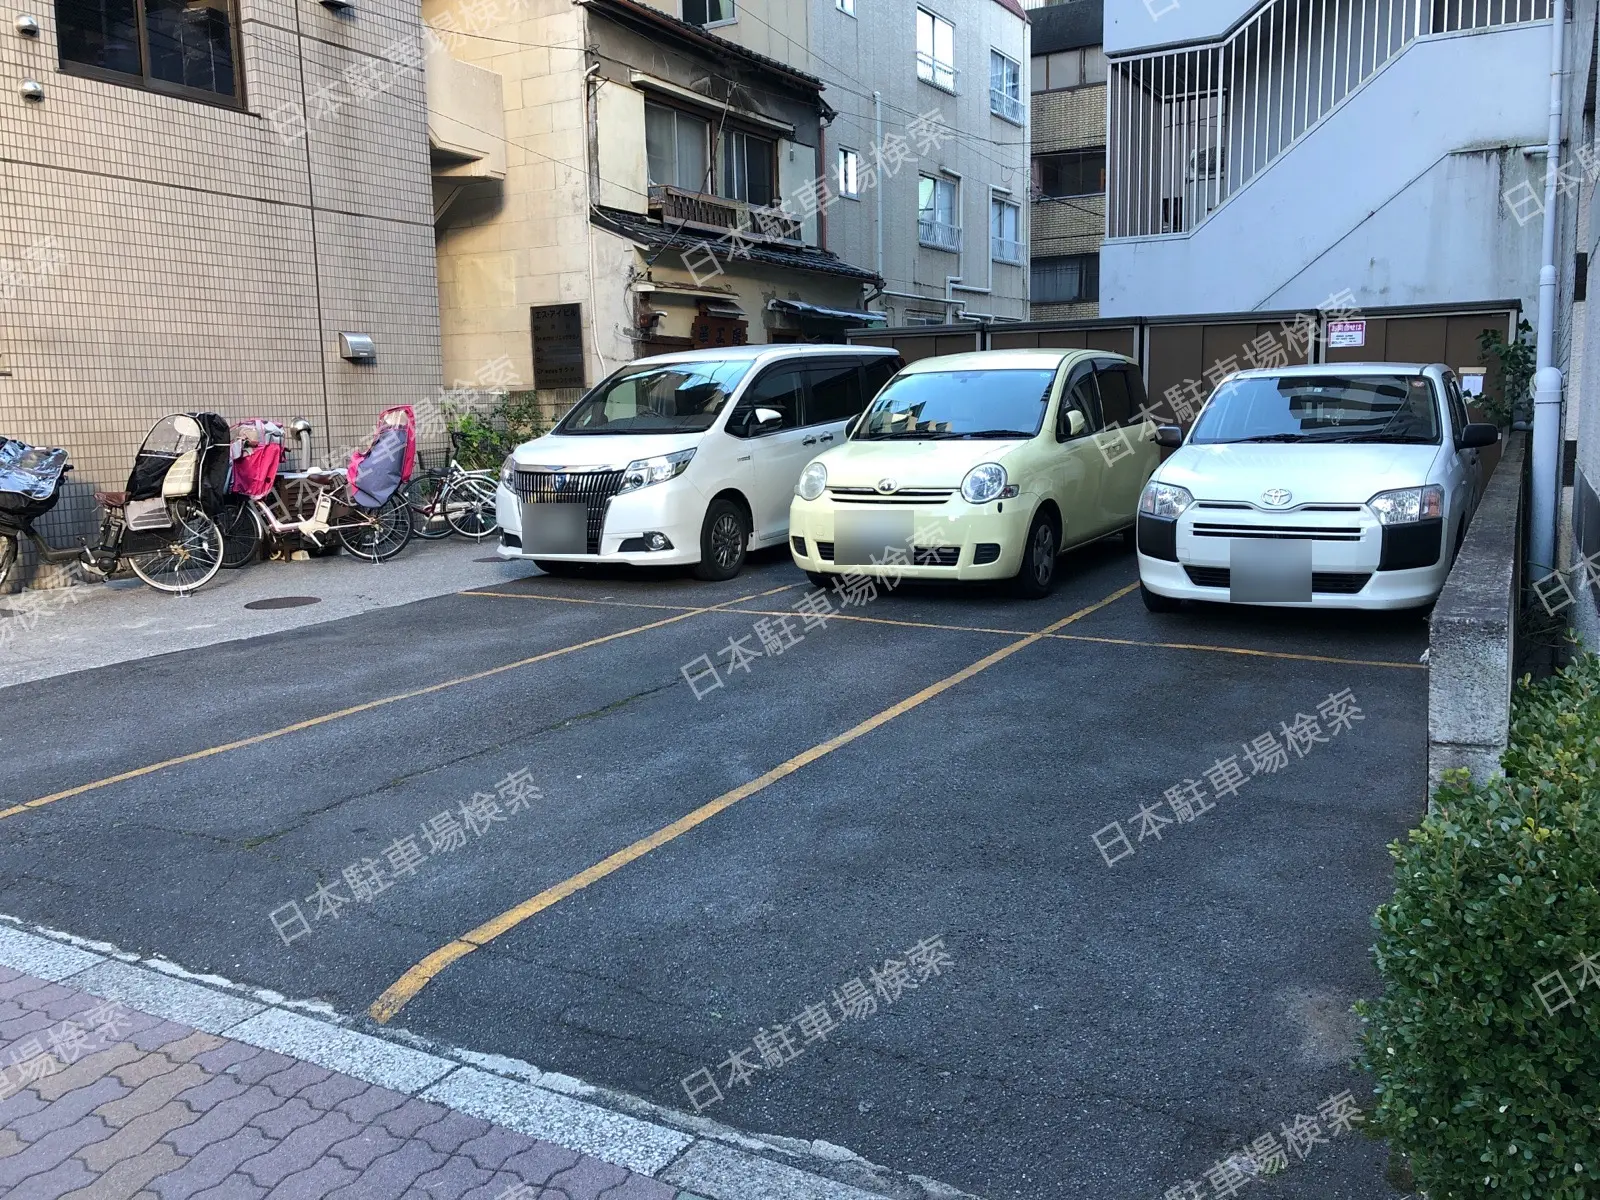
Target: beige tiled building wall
(160, 254)
(1068, 120)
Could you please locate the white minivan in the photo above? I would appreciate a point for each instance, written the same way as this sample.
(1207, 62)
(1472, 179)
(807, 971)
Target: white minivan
(683, 459)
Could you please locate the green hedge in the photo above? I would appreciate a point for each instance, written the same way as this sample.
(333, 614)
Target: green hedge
(1486, 1091)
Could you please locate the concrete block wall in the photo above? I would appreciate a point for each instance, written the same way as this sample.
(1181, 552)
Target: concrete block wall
(160, 254)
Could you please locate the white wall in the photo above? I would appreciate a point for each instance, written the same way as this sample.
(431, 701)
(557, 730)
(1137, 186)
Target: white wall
(1397, 196)
(1134, 24)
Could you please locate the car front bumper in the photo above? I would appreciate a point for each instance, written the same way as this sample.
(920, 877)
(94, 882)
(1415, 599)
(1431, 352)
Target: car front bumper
(1355, 562)
(954, 530)
(675, 509)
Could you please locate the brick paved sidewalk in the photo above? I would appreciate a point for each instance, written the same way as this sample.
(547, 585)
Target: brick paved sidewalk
(103, 1101)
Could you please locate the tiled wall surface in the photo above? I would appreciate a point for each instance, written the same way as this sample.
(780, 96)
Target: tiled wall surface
(161, 254)
(1070, 119)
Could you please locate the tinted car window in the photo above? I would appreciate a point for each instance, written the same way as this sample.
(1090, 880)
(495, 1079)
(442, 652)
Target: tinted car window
(878, 370)
(782, 390)
(835, 392)
(993, 402)
(1458, 406)
(670, 398)
(1320, 408)
(1116, 404)
(1080, 395)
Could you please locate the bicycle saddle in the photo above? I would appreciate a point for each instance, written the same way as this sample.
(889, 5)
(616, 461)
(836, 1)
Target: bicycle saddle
(111, 499)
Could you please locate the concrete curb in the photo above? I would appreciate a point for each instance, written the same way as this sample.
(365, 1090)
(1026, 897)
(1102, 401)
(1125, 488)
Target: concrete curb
(706, 1160)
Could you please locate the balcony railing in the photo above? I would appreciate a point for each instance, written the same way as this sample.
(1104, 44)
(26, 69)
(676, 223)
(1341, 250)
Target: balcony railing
(1006, 106)
(1006, 250)
(720, 215)
(941, 235)
(940, 74)
(1190, 127)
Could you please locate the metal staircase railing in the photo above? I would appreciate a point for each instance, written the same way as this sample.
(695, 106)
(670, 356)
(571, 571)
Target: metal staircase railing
(1191, 126)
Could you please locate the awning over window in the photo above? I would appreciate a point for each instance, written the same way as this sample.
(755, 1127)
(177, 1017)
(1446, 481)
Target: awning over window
(802, 309)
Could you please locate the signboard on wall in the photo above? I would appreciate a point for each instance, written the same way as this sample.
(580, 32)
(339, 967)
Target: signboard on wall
(1347, 333)
(557, 346)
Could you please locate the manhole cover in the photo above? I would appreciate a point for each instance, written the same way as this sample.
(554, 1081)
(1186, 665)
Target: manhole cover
(284, 602)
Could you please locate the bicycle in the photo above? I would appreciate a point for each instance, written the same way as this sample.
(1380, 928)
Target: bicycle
(158, 527)
(454, 500)
(318, 504)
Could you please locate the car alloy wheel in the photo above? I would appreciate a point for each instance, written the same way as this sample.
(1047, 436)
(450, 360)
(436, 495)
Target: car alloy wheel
(723, 540)
(727, 540)
(1037, 574)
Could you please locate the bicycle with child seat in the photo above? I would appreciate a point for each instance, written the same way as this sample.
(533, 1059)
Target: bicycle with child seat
(453, 499)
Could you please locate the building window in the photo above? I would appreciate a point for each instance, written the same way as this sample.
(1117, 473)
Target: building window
(1005, 240)
(748, 167)
(936, 50)
(938, 223)
(187, 49)
(675, 148)
(1067, 279)
(924, 318)
(1005, 87)
(846, 6)
(708, 12)
(1069, 69)
(1070, 173)
(849, 173)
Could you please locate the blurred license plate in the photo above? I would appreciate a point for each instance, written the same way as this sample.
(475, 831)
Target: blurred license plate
(555, 528)
(860, 537)
(1269, 571)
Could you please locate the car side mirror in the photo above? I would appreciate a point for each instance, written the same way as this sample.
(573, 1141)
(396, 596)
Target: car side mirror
(765, 420)
(1479, 433)
(1076, 422)
(1169, 436)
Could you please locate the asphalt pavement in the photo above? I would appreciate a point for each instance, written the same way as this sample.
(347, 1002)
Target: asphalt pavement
(660, 882)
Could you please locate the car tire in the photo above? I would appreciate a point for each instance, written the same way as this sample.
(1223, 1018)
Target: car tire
(724, 541)
(818, 579)
(565, 570)
(1157, 603)
(1036, 577)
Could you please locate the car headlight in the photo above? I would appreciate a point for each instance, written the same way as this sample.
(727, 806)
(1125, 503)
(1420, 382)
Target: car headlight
(1406, 506)
(645, 471)
(1164, 500)
(986, 482)
(507, 468)
(812, 480)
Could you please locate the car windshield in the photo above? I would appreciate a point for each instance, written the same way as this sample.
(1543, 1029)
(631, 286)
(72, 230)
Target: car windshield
(1320, 408)
(680, 397)
(959, 404)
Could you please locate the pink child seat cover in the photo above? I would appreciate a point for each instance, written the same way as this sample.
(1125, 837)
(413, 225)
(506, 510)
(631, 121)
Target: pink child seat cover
(375, 474)
(257, 455)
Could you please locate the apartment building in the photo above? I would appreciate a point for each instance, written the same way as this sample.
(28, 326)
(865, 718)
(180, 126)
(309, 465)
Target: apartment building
(1068, 209)
(196, 201)
(652, 195)
(925, 145)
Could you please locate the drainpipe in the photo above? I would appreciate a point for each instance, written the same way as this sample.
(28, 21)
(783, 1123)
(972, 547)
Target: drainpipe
(1547, 376)
(877, 133)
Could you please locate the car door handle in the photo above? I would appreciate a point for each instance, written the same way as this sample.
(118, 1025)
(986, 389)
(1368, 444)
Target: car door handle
(809, 442)
(827, 437)
(743, 458)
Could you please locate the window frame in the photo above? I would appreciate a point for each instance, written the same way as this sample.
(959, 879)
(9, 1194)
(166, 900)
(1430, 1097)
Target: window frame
(998, 202)
(722, 186)
(1093, 154)
(736, 427)
(146, 82)
(853, 193)
(1083, 275)
(929, 66)
(1079, 372)
(998, 99)
(679, 114)
(1115, 366)
(1088, 61)
(731, 18)
(955, 213)
(809, 367)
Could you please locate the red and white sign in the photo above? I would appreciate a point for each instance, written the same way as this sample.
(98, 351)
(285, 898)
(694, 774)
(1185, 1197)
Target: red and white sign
(1347, 333)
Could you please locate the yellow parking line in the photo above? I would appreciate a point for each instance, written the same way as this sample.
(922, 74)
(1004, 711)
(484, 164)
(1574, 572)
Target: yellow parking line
(368, 706)
(1082, 637)
(405, 989)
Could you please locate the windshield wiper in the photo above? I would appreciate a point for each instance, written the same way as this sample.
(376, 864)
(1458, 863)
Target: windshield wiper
(1379, 436)
(1269, 437)
(931, 435)
(998, 433)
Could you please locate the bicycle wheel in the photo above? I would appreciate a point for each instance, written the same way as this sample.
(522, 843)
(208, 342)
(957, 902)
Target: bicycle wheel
(469, 507)
(191, 557)
(242, 533)
(427, 514)
(377, 534)
(8, 556)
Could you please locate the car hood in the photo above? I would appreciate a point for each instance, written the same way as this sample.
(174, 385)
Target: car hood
(1341, 474)
(597, 451)
(911, 463)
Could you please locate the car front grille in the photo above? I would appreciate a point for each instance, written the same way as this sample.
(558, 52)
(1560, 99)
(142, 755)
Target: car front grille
(1327, 583)
(1293, 533)
(593, 489)
(985, 552)
(936, 556)
(825, 550)
(866, 495)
